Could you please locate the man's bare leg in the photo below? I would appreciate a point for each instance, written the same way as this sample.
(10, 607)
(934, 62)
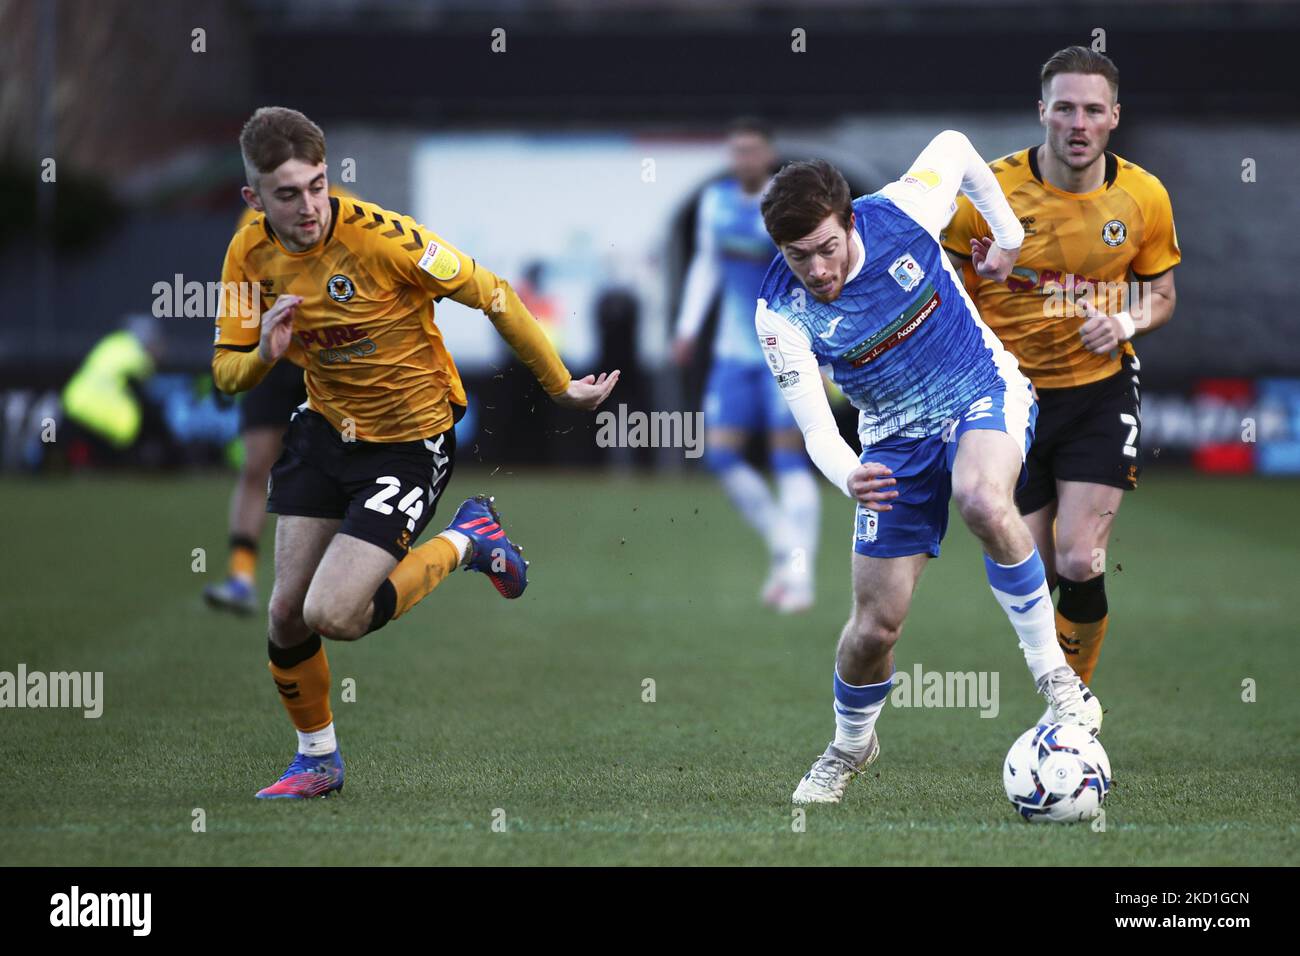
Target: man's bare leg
(1085, 515)
(983, 482)
(864, 667)
(1042, 525)
(340, 602)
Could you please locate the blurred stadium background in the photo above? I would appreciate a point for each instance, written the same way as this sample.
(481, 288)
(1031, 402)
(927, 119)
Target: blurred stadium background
(534, 161)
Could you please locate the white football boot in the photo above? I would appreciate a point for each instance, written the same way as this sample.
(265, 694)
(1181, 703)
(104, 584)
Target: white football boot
(797, 595)
(831, 773)
(1069, 701)
(789, 590)
(773, 586)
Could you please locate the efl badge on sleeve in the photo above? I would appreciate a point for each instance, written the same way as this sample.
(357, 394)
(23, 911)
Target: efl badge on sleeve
(772, 352)
(906, 272)
(442, 264)
(922, 179)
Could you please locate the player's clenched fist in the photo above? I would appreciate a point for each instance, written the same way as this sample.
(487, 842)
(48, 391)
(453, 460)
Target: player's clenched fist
(587, 393)
(1101, 333)
(277, 329)
(870, 484)
(990, 260)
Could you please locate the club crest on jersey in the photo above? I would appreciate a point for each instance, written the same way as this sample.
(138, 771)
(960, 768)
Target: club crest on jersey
(341, 288)
(1114, 233)
(906, 272)
(440, 263)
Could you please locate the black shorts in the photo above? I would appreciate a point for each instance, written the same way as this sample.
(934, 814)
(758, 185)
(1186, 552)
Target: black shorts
(1086, 433)
(272, 401)
(385, 492)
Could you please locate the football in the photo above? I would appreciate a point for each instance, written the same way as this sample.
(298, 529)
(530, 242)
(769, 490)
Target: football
(1056, 773)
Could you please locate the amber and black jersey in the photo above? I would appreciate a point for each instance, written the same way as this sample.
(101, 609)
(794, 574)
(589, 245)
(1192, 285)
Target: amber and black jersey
(1074, 243)
(365, 334)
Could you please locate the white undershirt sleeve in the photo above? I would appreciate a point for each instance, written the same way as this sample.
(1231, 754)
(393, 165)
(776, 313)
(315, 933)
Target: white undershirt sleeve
(927, 192)
(704, 274)
(790, 356)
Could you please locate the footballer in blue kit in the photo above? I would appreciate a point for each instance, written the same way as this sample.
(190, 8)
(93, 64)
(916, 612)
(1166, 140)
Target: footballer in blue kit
(864, 291)
(732, 254)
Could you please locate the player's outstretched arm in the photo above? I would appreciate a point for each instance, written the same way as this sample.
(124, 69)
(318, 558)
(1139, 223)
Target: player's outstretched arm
(440, 269)
(927, 192)
(524, 334)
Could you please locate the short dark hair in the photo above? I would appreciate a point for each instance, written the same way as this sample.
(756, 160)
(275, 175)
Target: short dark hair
(1080, 59)
(749, 124)
(275, 134)
(803, 194)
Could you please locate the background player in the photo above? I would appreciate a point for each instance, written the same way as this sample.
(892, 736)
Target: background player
(733, 251)
(863, 287)
(1093, 220)
(366, 462)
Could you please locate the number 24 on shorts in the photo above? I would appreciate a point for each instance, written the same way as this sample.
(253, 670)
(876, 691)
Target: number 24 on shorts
(411, 505)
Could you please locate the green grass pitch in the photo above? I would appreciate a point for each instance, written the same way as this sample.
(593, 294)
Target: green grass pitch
(472, 709)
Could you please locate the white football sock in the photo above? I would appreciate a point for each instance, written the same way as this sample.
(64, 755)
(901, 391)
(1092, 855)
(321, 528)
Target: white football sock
(856, 710)
(801, 520)
(750, 495)
(1021, 590)
(318, 743)
(458, 541)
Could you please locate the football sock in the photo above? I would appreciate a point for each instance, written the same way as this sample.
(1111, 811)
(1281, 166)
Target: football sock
(1021, 589)
(748, 492)
(1081, 620)
(302, 676)
(318, 743)
(856, 710)
(243, 558)
(416, 575)
(800, 507)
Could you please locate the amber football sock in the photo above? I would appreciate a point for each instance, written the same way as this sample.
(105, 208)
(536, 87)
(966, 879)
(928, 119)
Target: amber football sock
(1081, 620)
(243, 557)
(416, 575)
(302, 676)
